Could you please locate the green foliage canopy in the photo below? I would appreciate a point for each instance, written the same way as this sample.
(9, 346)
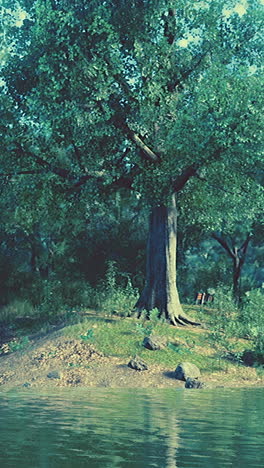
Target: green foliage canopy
(100, 96)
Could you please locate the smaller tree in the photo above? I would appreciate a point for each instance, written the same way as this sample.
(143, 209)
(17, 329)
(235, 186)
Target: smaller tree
(238, 255)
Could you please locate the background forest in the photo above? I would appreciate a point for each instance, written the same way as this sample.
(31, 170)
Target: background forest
(107, 110)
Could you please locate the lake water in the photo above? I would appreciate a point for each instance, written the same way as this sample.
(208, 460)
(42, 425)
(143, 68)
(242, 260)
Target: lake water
(110, 428)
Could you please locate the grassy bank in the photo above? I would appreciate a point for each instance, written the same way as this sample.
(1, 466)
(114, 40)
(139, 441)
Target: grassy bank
(93, 348)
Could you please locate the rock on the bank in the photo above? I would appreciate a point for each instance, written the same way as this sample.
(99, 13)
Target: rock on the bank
(154, 342)
(54, 375)
(137, 364)
(193, 383)
(185, 370)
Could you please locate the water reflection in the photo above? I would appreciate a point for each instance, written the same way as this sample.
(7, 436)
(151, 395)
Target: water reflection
(128, 428)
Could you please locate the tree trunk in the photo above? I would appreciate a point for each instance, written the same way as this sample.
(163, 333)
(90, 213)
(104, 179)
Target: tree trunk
(238, 262)
(160, 289)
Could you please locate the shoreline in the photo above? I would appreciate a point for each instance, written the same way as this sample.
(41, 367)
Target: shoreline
(36, 370)
(70, 356)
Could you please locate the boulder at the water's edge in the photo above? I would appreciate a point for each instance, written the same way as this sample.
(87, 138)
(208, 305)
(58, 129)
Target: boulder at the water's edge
(185, 370)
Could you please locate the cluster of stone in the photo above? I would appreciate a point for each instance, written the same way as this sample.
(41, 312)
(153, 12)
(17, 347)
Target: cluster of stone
(185, 371)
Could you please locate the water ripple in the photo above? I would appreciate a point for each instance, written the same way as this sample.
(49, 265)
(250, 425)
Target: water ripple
(120, 428)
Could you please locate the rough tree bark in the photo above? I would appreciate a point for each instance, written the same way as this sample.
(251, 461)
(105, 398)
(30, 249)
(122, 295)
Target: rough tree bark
(160, 290)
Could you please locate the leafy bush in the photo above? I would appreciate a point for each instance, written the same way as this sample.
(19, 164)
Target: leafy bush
(113, 298)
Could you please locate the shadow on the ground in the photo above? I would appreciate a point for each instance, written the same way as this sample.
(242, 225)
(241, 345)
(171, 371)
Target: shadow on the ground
(169, 374)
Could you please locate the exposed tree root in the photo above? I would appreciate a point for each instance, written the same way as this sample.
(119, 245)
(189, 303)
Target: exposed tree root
(183, 321)
(176, 320)
(187, 321)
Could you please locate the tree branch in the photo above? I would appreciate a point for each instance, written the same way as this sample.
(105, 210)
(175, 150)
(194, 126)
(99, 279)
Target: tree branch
(78, 157)
(126, 180)
(77, 181)
(224, 244)
(244, 246)
(13, 174)
(183, 178)
(133, 136)
(185, 74)
(170, 26)
(63, 173)
(83, 179)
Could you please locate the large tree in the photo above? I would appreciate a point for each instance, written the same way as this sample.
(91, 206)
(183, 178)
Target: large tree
(148, 96)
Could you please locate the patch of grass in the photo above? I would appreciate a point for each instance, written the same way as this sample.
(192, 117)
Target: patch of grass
(78, 366)
(259, 370)
(89, 336)
(15, 345)
(124, 338)
(17, 309)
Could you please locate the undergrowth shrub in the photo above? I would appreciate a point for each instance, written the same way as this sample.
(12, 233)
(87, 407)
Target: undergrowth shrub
(231, 321)
(17, 308)
(252, 318)
(57, 296)
(226, 316)
(225, 324)
(48, 298)
(113, 298)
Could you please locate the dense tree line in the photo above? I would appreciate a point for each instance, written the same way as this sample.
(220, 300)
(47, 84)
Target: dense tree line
(114, 109)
